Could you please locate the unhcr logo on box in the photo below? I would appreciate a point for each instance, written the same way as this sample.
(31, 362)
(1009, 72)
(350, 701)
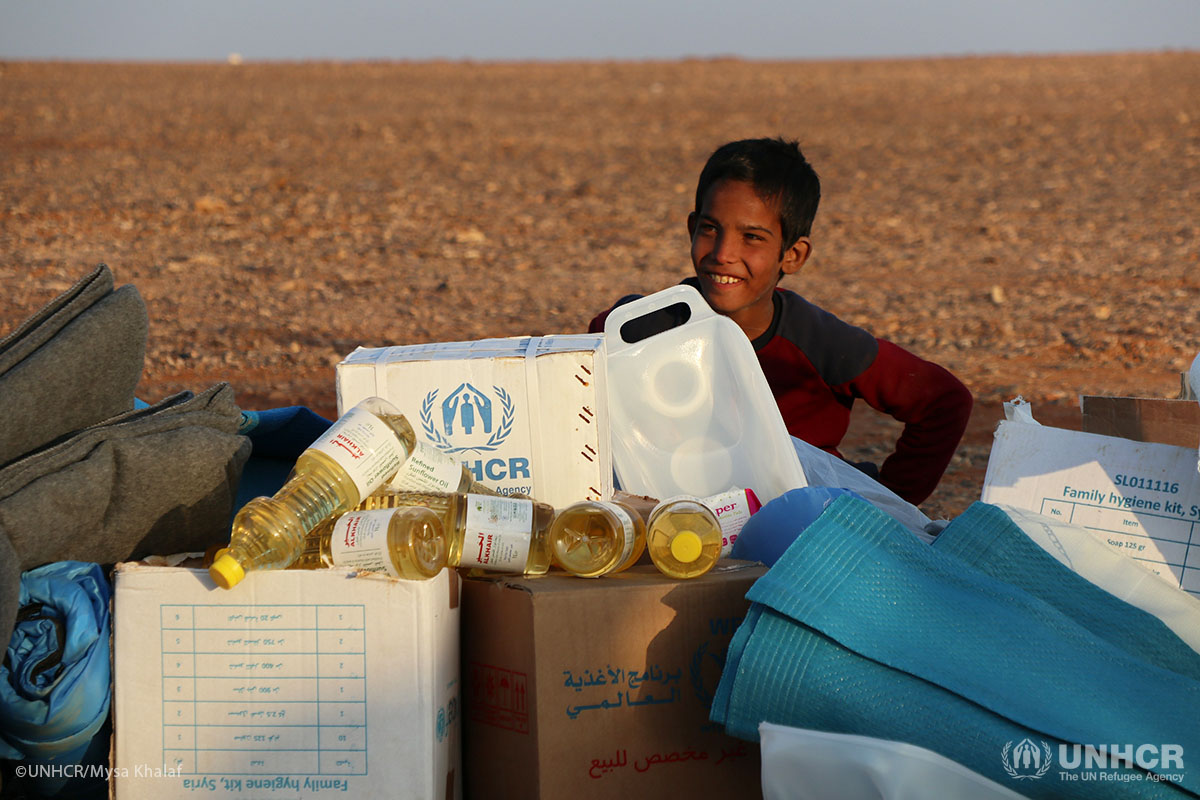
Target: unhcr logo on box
(1028, 759)
(471, 420)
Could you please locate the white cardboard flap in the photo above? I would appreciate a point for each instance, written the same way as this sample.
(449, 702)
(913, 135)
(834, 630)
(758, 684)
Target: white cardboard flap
(1142, 499)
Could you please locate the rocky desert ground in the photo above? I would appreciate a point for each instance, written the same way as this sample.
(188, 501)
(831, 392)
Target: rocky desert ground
(1029, 222)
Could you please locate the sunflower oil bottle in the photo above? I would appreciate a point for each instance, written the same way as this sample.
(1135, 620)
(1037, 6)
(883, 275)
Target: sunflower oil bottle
(593, 538)
(686, 535)
(403, 542)
(368, 446)
(683, 537)
(484, 531)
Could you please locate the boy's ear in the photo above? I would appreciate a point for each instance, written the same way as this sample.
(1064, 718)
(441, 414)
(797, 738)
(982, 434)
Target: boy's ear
(795, 256)
(691, 224)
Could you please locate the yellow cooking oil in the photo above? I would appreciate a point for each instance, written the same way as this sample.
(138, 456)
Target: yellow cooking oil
(592, 538)
(683, 537)
(407, 543)
(368, 447)
(484, 531)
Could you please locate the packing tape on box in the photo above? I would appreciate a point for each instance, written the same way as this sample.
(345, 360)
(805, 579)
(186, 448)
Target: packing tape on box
(534, 395)
(381, 362)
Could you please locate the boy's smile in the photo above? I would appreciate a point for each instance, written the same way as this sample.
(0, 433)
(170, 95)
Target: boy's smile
(739, 255)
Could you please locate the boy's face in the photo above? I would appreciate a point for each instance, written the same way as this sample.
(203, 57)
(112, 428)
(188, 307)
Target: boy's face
(738, 254)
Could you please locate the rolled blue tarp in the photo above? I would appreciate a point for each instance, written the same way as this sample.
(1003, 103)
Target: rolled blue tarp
(861, 628)
(55, 688)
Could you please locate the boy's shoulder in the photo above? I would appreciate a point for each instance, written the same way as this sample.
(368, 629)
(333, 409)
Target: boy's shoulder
(838, 350)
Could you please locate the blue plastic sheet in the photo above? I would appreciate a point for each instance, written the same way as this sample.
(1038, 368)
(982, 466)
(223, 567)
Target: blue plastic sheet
(770, 530)
(55, 678)
(278, 436)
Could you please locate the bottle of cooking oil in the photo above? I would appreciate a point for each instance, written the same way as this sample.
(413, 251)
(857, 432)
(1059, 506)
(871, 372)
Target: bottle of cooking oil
(484, 531)
(593, 538)
(403, 542)
(683, 537)
(368, 446)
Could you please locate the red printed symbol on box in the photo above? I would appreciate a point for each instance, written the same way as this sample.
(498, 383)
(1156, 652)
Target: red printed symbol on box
(499, 697)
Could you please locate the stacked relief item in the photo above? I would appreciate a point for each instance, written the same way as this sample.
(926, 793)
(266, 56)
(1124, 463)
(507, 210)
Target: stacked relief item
(525, 415)
(85, 476)
(88, 478)
(692, 413)
(861, 628)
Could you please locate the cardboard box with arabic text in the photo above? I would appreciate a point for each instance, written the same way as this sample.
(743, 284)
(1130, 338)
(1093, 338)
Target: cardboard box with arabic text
(577, 688)
(295, 683)
(524, 414)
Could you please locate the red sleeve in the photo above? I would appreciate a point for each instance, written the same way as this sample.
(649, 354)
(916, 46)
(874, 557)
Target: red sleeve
(597, 323)
(934, 407)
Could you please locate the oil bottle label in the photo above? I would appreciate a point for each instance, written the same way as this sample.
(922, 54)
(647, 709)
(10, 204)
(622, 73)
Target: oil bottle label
(427, 470)
(360, 539)
(365, 447)
(499, 532)
(627, 530)
(732, 508)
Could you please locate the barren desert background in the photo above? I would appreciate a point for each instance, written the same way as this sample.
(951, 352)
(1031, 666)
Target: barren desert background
(1031, 223)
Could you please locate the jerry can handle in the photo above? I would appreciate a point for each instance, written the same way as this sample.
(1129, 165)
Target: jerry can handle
(675, 295)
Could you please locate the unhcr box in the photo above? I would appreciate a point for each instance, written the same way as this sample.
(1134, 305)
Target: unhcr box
(577, 689)
(294, 684)
(524, 414)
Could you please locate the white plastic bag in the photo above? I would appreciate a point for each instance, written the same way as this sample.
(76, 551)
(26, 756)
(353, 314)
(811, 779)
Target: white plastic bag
(801, 764)
(1194, 381)
(823, 469)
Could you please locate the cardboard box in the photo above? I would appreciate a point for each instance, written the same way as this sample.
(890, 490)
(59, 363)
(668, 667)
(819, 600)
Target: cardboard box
(1143, 499)
(1143, 419)
(293, 684)
(525, 414)
(579, 688)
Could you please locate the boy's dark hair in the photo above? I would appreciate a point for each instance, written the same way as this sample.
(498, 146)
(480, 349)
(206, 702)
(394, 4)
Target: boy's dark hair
(779, 173)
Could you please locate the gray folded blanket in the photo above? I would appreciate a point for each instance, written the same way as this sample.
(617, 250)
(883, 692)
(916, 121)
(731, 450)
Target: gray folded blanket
(73, 364)
(156, 480)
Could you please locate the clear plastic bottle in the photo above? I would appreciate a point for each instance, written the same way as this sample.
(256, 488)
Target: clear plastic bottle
(593, 538)
(487, 532)
(683, 537)
(404, 543)
(368, 446)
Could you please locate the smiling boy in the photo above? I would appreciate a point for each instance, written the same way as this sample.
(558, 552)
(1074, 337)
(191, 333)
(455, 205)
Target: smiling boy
(755, 203)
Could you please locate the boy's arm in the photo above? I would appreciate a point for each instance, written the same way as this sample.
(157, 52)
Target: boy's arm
(934, 407)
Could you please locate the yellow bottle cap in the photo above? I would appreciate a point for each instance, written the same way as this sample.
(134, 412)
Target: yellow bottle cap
(226, 572)
(685, 547)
